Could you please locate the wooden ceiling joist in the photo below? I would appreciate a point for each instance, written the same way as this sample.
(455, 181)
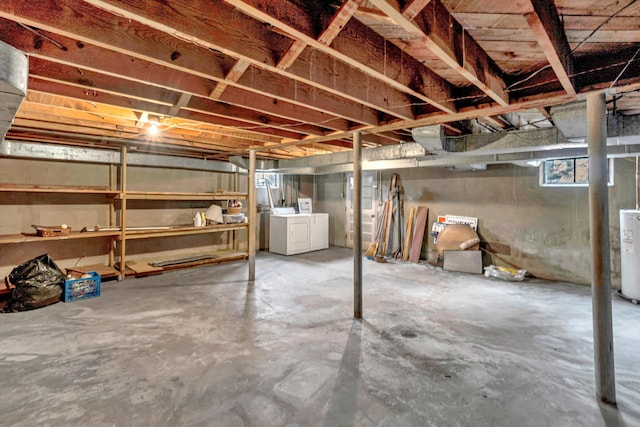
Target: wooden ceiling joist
(545, 23)
(232, 76)
(97, 96)
(345, 12)
(81, 21)
(90, 82)
(295, 78)
(413, 7)
(450, 42)
(90, 58)
(244, 39)
(379, 60)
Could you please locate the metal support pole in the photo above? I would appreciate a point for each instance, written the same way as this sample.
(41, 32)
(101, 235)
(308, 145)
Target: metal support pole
(357, 226)
(251, 194)
(637, 183)
(600, 254)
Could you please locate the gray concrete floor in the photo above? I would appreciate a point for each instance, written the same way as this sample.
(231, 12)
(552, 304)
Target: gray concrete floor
(203, 347)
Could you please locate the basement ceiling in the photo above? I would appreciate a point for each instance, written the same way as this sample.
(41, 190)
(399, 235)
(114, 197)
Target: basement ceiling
(297, 78)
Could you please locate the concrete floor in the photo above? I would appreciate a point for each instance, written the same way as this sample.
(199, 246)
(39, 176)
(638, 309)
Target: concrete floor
(202, 347)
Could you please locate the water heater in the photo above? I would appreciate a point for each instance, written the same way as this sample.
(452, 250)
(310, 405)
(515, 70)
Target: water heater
(630, 253)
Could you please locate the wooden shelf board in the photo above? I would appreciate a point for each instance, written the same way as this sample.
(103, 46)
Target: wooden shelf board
(27, 238)
(104, 271)
(57, 189)
(218, 257)
(162, 195)
(141, 269)
(183, 231)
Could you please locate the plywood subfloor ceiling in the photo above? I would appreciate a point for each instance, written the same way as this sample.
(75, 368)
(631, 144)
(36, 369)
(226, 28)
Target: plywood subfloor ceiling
(295, 78)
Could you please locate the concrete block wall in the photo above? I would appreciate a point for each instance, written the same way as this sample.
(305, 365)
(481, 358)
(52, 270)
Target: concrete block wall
(544, 230)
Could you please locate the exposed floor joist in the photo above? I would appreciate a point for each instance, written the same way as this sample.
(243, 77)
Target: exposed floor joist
(301, 76)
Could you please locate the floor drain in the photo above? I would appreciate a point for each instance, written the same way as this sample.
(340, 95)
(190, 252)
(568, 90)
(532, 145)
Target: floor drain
(408, 334)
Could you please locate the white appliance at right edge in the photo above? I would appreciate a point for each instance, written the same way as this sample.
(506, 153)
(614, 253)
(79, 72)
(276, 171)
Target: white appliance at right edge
(630, 253)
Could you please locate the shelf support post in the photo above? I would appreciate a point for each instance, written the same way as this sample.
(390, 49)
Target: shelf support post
(112, 213)
(234, 242)
(251, 194)
(123, 210)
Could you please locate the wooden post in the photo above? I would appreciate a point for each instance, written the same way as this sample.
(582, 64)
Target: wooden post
(112, 213)
(251, 194)
(234, 244)
(357, 226)
(600, 251)
(123, 210)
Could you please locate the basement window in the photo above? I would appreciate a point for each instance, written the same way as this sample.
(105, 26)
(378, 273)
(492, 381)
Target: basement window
(263, 178)
(571, 172)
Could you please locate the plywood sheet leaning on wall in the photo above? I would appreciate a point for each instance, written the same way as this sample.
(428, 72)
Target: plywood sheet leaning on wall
(408, 234)
(377, 242)
(418, 233)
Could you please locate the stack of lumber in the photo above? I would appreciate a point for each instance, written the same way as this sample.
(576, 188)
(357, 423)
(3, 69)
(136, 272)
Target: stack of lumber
(389, 236)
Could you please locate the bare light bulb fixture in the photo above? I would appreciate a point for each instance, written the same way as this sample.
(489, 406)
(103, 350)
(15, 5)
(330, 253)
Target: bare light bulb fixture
(153, 129)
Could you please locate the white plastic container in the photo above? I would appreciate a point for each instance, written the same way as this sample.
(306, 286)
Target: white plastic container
(630, 253)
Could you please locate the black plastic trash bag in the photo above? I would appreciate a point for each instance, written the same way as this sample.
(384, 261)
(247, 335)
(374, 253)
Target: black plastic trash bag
(38, 282)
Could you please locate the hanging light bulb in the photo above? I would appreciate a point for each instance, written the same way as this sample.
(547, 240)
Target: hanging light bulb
(153, 129)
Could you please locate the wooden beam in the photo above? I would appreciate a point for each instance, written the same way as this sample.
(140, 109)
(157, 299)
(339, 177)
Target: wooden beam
(86, 57)
(413, 7)
(545, 112)
(97, 96)
(233, 75)
(142, 120)
(342, 16)
(37, 108)
(434, 119)
(446, 38)
(291, 54)
(183, 101)
(75, 19)
(492, 121)
(545, 23)
(356, 45)
(345, 12)
(73, 126)
(339, 20)
(226, 32)
(90, 80)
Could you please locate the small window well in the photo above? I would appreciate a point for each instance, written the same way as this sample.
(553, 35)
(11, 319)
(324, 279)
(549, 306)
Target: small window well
(568, 172)
(263, 178)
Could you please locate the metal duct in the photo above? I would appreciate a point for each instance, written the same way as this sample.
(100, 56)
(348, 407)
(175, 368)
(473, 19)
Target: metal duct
(430, 137)
(14, 72)
(571, 121)
(433, 139)
(261, 165)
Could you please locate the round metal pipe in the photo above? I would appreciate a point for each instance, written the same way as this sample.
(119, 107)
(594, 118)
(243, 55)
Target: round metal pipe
(600, 251)
(357, 226)
(251, 194)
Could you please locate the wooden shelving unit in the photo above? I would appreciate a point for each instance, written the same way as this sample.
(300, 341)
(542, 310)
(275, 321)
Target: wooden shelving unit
(119, 231)
(110, 194)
